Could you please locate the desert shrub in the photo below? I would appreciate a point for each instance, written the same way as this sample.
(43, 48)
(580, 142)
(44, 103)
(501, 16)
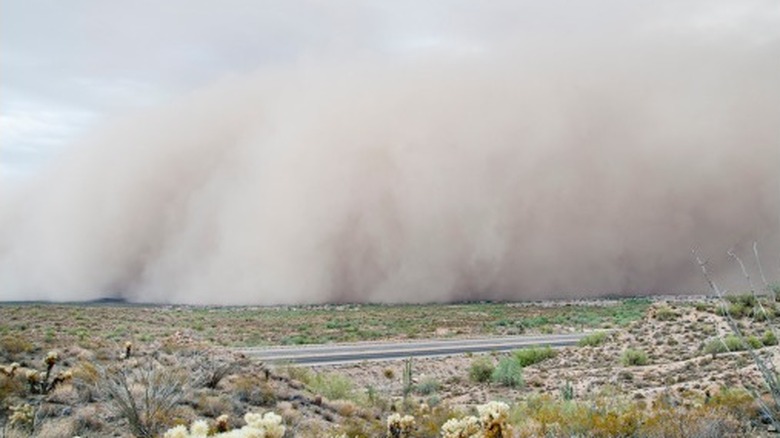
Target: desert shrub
(665, 313)
(769, 338)
(736, 310)
(746, 300)
(633, 357)
(724, 345)
(213, 405)
(593, 339)
(481, 369)
(212, 372)
(144, 396)
(301, 374)
(388, 373)
(734, 343)
(508, 373)
(763, 313)
(544, 416)
(531, 356)
(250, 389)
(11, 383)
(775, 288)
(754, 342)
(15, 344)
(332, 386)
(427, 387)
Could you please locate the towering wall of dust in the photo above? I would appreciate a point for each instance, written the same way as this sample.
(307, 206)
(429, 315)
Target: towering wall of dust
(512, 177)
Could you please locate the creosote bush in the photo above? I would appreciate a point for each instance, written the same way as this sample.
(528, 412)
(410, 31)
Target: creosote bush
(593, 339)
(531, 356)
(481, 369)
(727, 344)
(634, 357)
(508, 373)
(665, 313)
(332, 386)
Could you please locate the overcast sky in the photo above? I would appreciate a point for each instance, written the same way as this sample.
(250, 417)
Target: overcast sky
(67, 66)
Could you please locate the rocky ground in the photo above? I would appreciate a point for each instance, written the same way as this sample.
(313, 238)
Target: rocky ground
(678, 364)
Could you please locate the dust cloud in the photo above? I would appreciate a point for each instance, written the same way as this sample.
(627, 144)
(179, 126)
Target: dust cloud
(553, 172)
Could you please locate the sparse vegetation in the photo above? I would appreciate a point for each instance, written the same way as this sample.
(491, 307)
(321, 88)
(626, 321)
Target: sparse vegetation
(586, 396)
(481, 369)
(634, 357)
(332, 386)
(593, 339)
(508, 373)
(427, 387)
(534, 355)
(144, 396)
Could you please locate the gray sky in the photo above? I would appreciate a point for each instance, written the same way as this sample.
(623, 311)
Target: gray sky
(67, 66)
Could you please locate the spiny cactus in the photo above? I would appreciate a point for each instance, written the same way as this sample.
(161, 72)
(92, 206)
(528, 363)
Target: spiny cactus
(22, 417)
(492, 423)
(268, 425)
(42, 382)
(400, 427)
(407, 377)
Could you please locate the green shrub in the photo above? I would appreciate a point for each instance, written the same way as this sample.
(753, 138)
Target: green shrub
(769, 338)
(747, 300)
(531, 356)
(775, 288)
(508, 373)
(593, 339)
(332, 386)
(754, 342)
(665, 313)
(427, 387)
(736, 310)
(725, 345)
(301, 374)
(15, 344)
(481, 369)
(634, 357)
(734, 343)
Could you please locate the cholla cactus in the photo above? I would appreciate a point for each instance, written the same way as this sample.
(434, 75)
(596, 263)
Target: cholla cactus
(492, 423)
(22, 416)
(222, 423)
(493, 417)
(400, 427)
(62, 376)
(51, 359)
(9, 370)
(468, 427)
(269, 425)
(258, 426)
(128, 350)
(34, 379)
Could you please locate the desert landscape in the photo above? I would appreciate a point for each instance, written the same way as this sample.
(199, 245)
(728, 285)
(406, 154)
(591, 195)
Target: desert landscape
(389, 219)
(650, 367)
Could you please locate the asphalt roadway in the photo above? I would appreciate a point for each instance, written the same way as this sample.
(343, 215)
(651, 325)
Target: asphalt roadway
(333, 354)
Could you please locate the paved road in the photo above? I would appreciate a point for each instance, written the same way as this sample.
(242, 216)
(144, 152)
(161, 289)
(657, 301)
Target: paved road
(374, 351)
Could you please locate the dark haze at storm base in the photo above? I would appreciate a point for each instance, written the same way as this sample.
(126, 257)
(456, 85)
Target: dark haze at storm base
(541, 174)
